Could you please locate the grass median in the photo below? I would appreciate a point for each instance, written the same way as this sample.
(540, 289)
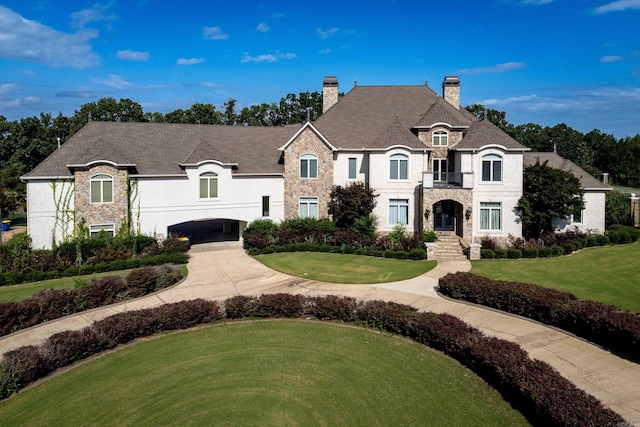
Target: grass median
(282, 372)
(338, 268)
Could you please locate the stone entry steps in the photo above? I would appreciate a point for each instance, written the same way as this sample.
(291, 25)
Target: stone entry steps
(449, 248)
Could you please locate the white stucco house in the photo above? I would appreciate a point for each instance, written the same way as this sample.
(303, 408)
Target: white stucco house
(433, 164)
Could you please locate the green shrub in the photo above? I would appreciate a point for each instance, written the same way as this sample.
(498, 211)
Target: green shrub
(530, 253)
(602, 240)
(85, 269)
(501, 253)
(514, 253)
(545, 252)
(70, 271)
(417, 254)
(557, 250)
(132, 263)
(118, 264)
(101, 267)
(569, 248)
(592, 241)
(487, 254)
(429, 236)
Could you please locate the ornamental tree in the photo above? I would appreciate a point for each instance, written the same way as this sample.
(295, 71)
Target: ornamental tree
(351, 202)
(548, 193)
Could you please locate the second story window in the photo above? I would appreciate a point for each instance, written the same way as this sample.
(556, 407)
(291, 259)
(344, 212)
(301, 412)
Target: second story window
(308, 166)
(440, 138)
(208, 185)
(399, 167)
(352, 167)
(101, 188)
(491, 168)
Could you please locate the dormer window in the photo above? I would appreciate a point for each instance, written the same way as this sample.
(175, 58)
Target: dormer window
(440, 138)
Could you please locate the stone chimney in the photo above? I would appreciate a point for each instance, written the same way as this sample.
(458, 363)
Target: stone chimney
(451, 90)
(329, 92)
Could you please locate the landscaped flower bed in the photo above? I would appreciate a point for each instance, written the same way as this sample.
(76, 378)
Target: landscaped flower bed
(533, 387)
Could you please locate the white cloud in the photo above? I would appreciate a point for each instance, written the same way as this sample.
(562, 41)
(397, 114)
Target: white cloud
(213, 33)
(611, 58)
(95, 14)
(618, 6)
(115, 81)
(19, 102)
(324, 51)
(132, 55)
(325, 34)
(25, 40)
(7, 88)
(263, 27)
(537, 2)
(498, 68)
(190, 61)
(275, 57)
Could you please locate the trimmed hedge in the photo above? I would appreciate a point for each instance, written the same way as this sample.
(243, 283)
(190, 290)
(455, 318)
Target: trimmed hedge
(55, 303)
(414, 254)
(607, 325)
(533, 387)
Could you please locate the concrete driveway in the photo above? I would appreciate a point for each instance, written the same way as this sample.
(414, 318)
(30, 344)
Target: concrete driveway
(218, 271)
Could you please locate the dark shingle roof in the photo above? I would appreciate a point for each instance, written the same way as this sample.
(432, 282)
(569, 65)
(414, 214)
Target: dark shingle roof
(160, 148)
(558, 162)
(482, 133)
(443, 112)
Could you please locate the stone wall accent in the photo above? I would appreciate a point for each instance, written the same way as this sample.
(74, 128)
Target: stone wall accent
(460, 195)
(295, 187)
(329, 92)
(451, 90)
(101, 213)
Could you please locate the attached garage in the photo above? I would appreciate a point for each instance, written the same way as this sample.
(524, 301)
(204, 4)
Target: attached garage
(208, 230)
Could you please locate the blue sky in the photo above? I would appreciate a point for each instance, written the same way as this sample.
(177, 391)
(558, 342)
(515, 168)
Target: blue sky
(542, 61)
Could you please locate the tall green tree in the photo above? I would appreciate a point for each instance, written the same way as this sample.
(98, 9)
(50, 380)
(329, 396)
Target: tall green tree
(548, 193)
(617, 208)
(351, 202)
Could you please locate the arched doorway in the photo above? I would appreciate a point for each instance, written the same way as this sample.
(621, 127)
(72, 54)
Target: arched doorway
(447, 216)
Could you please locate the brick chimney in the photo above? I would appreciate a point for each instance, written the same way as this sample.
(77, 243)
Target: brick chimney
(451, 90)
(329, 92)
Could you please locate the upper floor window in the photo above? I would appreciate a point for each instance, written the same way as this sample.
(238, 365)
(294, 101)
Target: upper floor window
(352, 167)
(101, 188)
(308, 166)
(399, 167)
(208, 185)
(440, 138)
(491, 168)
(440, 170)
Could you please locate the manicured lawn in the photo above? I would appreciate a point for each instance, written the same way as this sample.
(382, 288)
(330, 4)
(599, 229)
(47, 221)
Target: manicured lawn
(24, 290)
(283, 372)
(338, 268)
(609, 274)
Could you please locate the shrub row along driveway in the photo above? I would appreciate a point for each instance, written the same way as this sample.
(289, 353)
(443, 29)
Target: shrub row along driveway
(222, 270)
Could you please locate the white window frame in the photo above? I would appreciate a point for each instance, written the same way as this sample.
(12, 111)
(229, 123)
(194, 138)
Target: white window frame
(399, 209)
(102, 180)
(491, 161)
(308, 207)
(490, 213)
(353, 168)
(440, 138)
(95, 229)
(438, 174)
(396, 162)
(207, 178)
(310, 168)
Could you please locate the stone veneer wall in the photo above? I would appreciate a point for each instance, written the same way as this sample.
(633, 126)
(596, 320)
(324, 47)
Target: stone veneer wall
(101, 213)
(295, 187)
(462, 196)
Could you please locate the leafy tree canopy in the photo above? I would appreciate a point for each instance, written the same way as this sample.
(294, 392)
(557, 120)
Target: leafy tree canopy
(351, 202)
(548, 193)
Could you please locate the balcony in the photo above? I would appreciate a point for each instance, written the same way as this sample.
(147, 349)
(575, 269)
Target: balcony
(454, 180)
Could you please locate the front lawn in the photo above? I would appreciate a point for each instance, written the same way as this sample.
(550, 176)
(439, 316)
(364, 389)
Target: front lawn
(281, 372)
(609, 274)
(338, 268)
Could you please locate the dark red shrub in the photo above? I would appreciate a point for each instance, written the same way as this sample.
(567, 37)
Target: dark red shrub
(64, 348)
(332, 307)
(387, 316)
(26, 362)
(141, 281)
(238, 306)
(279, 305)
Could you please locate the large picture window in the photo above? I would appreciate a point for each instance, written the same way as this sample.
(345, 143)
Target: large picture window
(490, 216)
(208, 185)
(308, 166)
(399, 166)
(398, 211)
(440, 138)
(308, 207)
(491, 168)
(102, 188)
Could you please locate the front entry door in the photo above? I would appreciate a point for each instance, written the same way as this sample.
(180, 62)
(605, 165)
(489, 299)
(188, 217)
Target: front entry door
(444, 216)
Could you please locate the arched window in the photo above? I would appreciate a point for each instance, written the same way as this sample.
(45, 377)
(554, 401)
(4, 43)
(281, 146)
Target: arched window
(308, 166)
(102, 188)
(399, 166)
(440, 138)
(208, 185)
(491, 168)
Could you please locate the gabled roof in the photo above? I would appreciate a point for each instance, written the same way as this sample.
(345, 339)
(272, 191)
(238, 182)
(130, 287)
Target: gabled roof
(554, 160)
(443, 112)
(161, 148)
(483, 133)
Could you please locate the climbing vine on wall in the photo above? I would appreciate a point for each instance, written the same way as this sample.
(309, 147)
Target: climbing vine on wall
(133, 202)
(65, 216)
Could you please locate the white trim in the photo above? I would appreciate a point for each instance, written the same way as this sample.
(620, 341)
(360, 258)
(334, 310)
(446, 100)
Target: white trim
(101, 162)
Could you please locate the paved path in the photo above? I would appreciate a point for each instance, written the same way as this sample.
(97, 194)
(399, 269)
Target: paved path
(219, 271)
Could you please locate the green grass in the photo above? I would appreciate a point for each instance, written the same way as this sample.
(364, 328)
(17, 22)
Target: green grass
(24, 290)
(609, 274)
(266, 373)
(338, 268)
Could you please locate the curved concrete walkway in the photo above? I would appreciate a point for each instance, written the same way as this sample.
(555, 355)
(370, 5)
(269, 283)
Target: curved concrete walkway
(219, 271)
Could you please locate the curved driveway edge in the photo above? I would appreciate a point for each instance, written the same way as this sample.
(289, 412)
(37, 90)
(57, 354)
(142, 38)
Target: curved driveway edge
(217, 272)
